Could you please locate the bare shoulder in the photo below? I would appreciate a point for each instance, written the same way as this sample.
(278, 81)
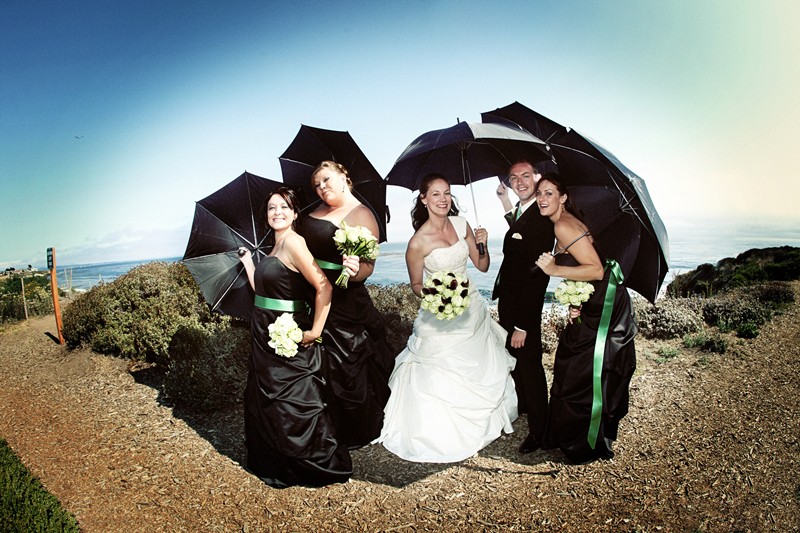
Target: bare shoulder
(295, 243)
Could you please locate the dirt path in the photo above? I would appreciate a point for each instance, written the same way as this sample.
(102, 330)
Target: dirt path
(712, 443)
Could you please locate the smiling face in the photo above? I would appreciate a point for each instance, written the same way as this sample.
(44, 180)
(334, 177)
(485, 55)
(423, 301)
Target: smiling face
(549, 198)
(522, 179)
(438, 198)
(280, 214)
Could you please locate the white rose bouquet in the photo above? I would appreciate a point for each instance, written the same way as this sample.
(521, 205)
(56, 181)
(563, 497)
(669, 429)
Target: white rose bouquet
(355, 240)
(446, 295)
(284, 335)
(573, 293)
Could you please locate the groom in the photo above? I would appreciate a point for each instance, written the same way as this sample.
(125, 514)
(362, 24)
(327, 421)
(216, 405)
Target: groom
(521, 296)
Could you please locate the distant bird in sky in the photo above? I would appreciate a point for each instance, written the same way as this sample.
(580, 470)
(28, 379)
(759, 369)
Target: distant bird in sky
(79, 136)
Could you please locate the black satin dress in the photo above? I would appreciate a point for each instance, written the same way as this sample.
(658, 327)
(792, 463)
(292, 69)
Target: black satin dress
(571, 394)
(290, 437)
(358, 360)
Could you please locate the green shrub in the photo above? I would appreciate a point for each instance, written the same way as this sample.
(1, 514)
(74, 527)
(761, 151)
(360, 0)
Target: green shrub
(670, 318)
(748, 330)
(25, 505)
(207, 367)
(137, 314)
(706, 342)
(666, 353)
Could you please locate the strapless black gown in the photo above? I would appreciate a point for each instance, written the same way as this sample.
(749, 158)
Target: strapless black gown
(290, 437)
(358, 360)
(571, 394)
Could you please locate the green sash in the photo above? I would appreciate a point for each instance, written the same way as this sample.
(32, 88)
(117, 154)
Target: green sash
(288, 306)
(615, 278)
(328, 265)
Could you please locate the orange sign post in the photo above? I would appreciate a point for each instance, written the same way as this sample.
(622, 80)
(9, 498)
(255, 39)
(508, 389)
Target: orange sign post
(51, 266)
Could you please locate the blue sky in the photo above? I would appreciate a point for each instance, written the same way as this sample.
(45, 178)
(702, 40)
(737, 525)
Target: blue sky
(117, 116)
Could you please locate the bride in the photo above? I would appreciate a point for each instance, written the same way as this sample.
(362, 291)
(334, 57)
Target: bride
(451, 388)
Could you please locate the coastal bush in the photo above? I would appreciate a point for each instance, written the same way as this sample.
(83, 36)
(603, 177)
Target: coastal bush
(38, 296)
(669, 318)
(752, 267)
(207, 366)
(731, 311)
(554, 321)
(25, 505)
(777, 294)
(136, 315)
(399, 307)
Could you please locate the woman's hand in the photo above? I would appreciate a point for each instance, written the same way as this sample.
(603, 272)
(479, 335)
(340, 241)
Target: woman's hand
(352, 264)
(309, 338)
(547, 263)
(481, 236)
(574, 313)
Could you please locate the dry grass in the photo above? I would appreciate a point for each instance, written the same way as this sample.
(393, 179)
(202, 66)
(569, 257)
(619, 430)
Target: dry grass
(711, 443)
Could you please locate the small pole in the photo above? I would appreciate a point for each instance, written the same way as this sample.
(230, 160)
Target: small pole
(24, 301)
(51, 265)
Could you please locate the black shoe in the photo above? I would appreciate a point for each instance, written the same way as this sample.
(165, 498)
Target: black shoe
(529, 445)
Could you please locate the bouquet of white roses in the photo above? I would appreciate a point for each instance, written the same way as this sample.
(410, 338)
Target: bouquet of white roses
(446, 295)
(355, 240)
(284, 335)
(573, 293)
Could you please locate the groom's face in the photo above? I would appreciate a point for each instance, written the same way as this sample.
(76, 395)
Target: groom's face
(522, 178)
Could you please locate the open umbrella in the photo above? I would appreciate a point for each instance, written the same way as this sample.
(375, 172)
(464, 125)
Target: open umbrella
(620, 213)
(311, 146)
(223, 221)
(465, 153)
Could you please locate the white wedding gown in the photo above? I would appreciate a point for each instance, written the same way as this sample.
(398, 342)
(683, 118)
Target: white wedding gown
(452, 391)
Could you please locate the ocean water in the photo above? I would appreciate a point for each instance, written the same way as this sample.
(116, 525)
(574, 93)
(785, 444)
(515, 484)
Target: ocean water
(691, 244)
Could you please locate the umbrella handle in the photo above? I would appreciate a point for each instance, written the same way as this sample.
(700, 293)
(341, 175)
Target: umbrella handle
(242, 251)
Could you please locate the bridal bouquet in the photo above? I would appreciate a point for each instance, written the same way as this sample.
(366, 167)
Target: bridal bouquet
(446, 295)
(573, 293)
(284, 335)
(354, 240)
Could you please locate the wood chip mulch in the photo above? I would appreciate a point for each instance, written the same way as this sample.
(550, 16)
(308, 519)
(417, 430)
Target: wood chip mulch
(712, 443)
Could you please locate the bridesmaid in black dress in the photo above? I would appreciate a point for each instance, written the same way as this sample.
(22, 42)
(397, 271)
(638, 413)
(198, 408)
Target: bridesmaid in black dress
(591, 377)
(290, 437)
(358, 360)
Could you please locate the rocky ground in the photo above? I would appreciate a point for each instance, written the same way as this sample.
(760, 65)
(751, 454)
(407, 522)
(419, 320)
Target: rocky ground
(712, 443)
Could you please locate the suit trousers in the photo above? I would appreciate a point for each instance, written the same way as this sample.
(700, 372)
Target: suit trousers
(529, 376)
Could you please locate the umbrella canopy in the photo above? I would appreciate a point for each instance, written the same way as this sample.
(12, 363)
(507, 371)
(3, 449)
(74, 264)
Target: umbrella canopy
(231, 217)
(623, 219)
(311, 146)
(465, 153)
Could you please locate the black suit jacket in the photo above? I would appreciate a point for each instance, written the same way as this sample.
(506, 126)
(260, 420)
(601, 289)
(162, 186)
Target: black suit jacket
(521, 291)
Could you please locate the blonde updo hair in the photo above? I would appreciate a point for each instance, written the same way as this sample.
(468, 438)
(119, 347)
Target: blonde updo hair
(332, 165)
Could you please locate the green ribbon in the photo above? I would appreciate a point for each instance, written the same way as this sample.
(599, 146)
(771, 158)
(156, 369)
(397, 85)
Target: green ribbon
(328, 265)
(288, 306)
(615, 278)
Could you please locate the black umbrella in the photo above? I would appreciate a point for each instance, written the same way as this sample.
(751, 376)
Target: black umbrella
(465, 153)
(231, 217)
(622, 217)
(311, 146)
